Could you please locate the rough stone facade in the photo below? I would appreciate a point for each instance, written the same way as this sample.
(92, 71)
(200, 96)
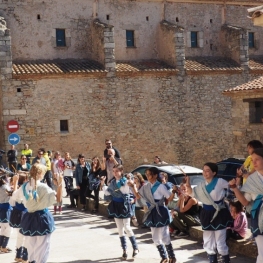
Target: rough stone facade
(179, 114)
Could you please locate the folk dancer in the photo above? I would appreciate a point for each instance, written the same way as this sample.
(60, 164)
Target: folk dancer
(120, 208)
(215, 216)
(37, 224)
(157, 216)
(16, 215)
(5, 212)
(251, 196)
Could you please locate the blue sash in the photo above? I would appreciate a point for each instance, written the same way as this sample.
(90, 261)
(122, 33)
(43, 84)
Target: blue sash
(5, 206)
(155, 186)
(121, 182)
(20, 207)
(211, 186)
(256, 204)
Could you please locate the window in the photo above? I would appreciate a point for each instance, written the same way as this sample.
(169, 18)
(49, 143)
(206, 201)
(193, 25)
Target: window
(64, 125)
(193, 39)
(60, 38)
(256, 111)
(251, 40)
(130, 38)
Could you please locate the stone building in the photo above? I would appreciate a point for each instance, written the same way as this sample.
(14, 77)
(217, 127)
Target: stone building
(150, 75)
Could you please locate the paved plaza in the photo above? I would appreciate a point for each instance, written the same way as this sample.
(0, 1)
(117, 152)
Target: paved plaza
(87, 238)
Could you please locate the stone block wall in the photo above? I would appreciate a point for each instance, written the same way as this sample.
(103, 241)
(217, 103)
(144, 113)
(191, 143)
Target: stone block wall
(171, 45)
(235, 44)
(184, 122)
(103, 45)
(5, 68)
(33, 25)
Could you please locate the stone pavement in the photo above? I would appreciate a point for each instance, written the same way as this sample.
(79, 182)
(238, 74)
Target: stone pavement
(82, 237)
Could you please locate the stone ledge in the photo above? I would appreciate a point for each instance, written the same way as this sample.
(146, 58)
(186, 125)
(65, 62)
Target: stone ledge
(242, 247)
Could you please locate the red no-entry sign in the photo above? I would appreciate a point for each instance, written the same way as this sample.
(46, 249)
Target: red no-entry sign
(12, 126)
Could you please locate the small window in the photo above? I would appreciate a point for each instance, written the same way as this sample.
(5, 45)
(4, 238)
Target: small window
(38, 17)
(130, 38)
(64, 125)
(108, 17)
(18, 89)
(251, 40)
(60, 37)
(193, 39)
(256, 111)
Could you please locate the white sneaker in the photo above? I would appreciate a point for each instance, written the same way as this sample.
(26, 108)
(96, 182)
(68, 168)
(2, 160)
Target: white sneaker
(135, 222)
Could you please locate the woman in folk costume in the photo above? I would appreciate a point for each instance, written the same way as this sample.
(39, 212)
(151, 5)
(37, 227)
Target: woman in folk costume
(5, 212)
(37, 224)
(157, 216)
(251, 196)
(16, 216)
(215, 216)
(57, 171)
(120, 207)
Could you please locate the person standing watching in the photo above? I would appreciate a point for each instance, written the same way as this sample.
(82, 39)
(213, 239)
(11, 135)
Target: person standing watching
(109, 146)
(110, 163)
(27, 152)
(39, 158)
(82, 172)
(12, 160)
(48, 174)
(69, 167)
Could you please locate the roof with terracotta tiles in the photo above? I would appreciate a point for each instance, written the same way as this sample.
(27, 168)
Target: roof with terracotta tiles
(56, 67)
(212, 64)
(256, 63)
(253, 85)
(145, 65)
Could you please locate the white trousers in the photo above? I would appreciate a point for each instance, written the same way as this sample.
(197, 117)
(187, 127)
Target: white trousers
(20, 239)
(160, 235)
(215, 240)
(6, 229)
(38, 248)
(124, 224)
(259, 241)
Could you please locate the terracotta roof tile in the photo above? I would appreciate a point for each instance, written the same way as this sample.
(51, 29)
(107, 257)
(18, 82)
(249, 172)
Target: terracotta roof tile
(211, 64)
(145, 65)
(56, 67)
(256, 84)
(256, 63)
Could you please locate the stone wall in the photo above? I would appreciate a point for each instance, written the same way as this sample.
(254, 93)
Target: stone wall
(234, 44)
(171, 45)
(33, 25)
(184, 122)
(243, 130)
(5, 68)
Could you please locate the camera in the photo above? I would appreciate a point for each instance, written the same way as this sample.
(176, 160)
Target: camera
(2, 151)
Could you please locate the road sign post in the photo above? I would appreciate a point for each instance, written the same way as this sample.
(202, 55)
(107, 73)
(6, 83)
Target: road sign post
(13, 138)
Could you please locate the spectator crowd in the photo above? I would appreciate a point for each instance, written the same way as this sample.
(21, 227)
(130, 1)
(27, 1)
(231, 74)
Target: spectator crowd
(169, 210)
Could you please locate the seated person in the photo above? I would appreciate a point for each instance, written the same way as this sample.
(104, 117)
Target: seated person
(239, 229)
(186, 214)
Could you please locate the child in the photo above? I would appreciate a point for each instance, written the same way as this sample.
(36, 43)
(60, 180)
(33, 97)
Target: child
(16, 215)
(37, 224)
(5, 211)
(118, 192)
(239, 230)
